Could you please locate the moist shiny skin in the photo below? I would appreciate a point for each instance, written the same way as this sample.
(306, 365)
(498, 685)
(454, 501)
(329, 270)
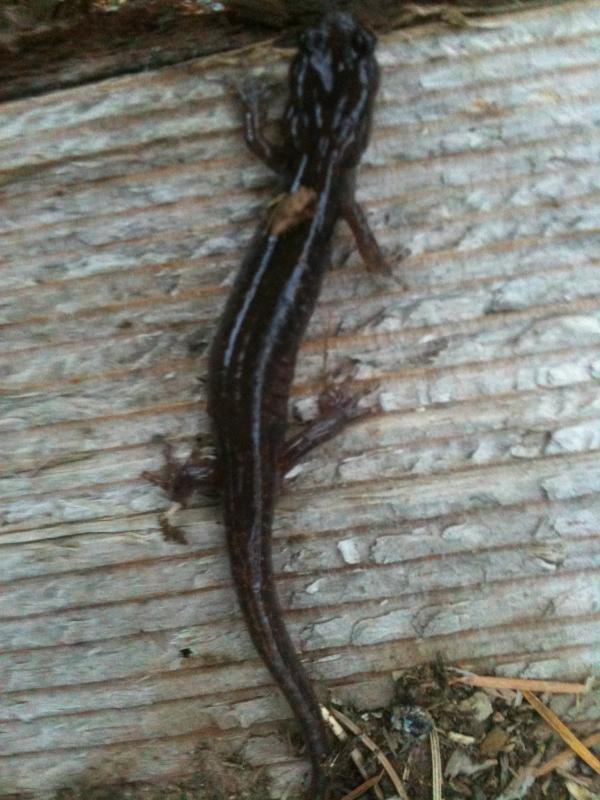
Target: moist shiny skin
(332, 83)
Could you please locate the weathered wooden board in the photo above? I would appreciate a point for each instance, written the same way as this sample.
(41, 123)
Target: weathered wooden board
(464, 519)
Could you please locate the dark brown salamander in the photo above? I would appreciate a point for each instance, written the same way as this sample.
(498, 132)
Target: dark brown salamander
(332, 85)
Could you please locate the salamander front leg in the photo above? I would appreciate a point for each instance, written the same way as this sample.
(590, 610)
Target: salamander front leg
(254, 100)
(367, 245)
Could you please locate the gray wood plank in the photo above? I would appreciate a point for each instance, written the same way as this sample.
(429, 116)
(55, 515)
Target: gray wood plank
(462, 519)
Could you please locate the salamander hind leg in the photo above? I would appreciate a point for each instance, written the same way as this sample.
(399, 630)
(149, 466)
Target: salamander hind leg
(198, 473)
(337, 409)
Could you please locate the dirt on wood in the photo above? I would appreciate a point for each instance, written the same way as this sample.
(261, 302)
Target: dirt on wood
(491, 743)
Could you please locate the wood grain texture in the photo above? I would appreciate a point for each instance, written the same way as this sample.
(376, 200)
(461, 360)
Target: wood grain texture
(463, 520)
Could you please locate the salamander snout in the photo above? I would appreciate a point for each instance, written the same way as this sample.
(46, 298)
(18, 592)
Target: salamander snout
(333, 82)
(339, 34)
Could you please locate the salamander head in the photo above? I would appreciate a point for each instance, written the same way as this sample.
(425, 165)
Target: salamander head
(333, 82)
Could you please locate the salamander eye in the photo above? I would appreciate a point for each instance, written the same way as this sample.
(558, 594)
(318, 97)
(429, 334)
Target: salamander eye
(363, 42)
(311, 40)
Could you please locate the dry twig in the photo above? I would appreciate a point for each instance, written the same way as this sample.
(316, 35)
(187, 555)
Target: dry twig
(381, 757)
(436, 766)
(355, 754)
(522, 684)
(562, 759)
(364, 787)
(565, 733)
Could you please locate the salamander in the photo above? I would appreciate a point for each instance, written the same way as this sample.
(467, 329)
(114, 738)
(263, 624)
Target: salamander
(333, 80)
